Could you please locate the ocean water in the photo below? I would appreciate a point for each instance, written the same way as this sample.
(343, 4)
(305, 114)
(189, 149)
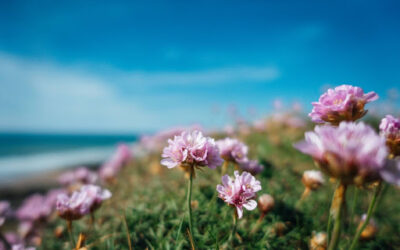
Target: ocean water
(22, 155)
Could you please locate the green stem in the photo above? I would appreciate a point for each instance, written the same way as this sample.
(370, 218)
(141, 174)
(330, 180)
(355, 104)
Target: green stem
(71, 236)
(353, 206)
(337, 211)
(369, 214)
(189, 204)
(232, 236)
(329, 227)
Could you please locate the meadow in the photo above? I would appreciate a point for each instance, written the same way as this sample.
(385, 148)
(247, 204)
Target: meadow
(148, 209)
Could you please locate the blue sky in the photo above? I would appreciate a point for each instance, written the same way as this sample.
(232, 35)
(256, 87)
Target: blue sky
(87, 66)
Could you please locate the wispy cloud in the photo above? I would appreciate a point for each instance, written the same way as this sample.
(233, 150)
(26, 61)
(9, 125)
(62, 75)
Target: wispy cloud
(37, 95)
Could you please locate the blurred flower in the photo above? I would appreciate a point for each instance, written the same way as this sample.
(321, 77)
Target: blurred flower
(344, 103)
(351, 152)
(81, 175)
(5, 210)
(232, 150)
(266, 203)
(81, 202)
(33, 208)
(191, 149)
(391, 172)
(370, 230)
(239, 192)
(21, 247)
(313, 179)
(158, 141)
(390, 129)
(251, 166)
(96, 195)
(319, 241)
(111, 168)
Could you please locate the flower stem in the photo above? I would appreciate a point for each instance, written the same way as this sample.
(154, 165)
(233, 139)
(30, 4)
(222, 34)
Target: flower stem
(353, 206)
(232, 236)
(224, 168)
(369, 214)
(336, 212)
(189, 204)
(71, 236)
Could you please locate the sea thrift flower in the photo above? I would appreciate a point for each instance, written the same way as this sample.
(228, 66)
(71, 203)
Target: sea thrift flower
(251, 166)
(111, 168)
(82, 202)
(266, 203)
(96, 195)
(390, 129)
(73, 207)
(391, 172)
(21, 247)
(232, 150)
(80, 175)
(191, 149)
(239, 192)
(5, 210)
(344, 103)
(319, 241)
(33, 208)
(351, 152)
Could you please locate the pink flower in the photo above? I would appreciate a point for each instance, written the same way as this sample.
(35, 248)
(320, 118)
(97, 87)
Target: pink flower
(344, 103)
(80, 175)
(33, 208)
(81, 202)
(5, 210)
(390, 129)
(120, 158)
(21, 247)
(232, 150)
(352, 152)
(251, 166)
(239, 192)
(191, 148)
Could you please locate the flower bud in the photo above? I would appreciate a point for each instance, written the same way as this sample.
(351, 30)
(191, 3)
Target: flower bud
(318, 241)
(370, 230)
(313, 179)
(266, 203)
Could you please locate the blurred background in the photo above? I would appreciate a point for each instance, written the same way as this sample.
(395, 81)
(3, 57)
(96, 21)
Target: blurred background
(78, 77)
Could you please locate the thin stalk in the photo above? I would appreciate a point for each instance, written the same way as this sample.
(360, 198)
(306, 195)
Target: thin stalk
(71, 236)
(232, 236)
(337, 212)
(369, 214)
(329, 227)
(189, 205)
(224, 168)
(353, 206)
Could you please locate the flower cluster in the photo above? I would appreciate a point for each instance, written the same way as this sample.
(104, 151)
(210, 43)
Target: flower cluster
(121, 157)
(390, 129)
(191, 149)
(239, 192)
(343, 103)
(232, 150)
(82, 202)
(235, 151)
(351, 152)
(80, 175)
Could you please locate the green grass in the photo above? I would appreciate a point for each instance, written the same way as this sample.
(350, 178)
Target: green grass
(152, 199)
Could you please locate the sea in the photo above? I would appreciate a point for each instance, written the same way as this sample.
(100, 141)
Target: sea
(25, 154)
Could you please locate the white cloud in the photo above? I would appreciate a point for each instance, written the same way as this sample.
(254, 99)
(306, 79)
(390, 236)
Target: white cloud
(37, 95)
